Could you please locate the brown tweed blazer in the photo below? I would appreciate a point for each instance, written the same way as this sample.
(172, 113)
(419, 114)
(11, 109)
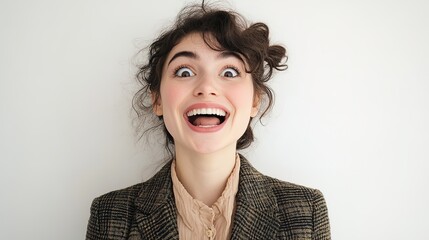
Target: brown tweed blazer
(266, 208)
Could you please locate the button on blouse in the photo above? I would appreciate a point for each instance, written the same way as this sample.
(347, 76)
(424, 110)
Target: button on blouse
(196, 220)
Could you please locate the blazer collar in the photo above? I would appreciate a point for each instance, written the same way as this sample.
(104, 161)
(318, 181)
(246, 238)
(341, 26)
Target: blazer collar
(256, 206)
(156, 208)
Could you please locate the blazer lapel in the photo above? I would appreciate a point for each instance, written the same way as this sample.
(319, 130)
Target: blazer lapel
(256, 215)
(156, 215)
(256, 209)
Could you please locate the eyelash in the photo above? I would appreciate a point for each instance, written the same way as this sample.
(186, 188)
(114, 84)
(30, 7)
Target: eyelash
(233, 68)
(225, 68)
(176, 70)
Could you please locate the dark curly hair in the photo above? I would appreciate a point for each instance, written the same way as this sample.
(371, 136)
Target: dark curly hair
(231, 32)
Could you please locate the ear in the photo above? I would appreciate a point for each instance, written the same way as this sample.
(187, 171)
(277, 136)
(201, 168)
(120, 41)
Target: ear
(256, 105)
(157, 105)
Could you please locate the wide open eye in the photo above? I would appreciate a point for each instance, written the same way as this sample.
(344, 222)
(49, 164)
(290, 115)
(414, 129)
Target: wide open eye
(230, 72)
(184, 72)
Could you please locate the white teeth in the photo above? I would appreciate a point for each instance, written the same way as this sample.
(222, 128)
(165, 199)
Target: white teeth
(209, 111)
(206, 126)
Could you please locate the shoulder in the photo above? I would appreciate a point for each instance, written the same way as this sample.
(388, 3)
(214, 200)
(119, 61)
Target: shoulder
(122, 199)
(287, 192)
(301, 210)
(112, 213)
(300, 205)
(116, 200)
(116, 205)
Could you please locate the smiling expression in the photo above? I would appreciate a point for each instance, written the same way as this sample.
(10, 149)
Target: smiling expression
(206, 96)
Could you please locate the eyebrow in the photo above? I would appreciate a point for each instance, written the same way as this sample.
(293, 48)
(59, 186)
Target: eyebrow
(183, 54)
(223, 54)
(226, 54)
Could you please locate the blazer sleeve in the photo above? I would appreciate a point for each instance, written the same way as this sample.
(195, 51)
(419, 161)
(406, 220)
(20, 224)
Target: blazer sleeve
(93, 230)
(321, 228)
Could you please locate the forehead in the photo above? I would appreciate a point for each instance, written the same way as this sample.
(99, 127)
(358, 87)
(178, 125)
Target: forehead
(191, 42)
(194, 39)
(196, 46)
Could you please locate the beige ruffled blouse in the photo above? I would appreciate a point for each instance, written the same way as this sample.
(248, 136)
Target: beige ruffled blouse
(195, 220)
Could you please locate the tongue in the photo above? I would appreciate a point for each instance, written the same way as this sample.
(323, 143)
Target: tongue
(204, 121)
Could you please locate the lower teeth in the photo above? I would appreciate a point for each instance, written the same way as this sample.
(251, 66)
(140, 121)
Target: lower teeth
(206, 126)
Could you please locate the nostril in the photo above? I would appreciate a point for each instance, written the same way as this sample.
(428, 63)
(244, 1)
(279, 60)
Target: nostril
(202, 94)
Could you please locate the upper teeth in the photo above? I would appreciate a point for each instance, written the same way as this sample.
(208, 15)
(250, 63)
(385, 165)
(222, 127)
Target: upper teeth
(211, 111)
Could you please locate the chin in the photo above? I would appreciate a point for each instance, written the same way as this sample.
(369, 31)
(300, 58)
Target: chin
(210, 147)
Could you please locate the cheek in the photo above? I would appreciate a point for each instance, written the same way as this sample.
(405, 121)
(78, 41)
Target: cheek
(243, 96)
(171, 94)
(170, 98)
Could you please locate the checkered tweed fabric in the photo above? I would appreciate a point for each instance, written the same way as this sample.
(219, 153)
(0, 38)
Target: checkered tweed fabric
(266, 208)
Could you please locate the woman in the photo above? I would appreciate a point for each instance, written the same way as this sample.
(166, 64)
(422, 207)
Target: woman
(205, 81)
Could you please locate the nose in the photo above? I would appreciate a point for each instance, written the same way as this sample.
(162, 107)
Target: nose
(206, 86)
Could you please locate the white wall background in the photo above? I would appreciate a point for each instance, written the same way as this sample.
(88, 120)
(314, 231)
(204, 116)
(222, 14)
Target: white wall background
(351, 116)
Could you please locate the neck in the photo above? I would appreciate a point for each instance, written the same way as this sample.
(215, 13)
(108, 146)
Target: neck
(204, 176)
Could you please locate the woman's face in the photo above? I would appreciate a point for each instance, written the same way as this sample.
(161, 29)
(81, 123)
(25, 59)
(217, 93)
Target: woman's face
(206, 97)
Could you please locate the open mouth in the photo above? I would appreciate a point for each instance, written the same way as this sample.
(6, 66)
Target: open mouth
(206, 117)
